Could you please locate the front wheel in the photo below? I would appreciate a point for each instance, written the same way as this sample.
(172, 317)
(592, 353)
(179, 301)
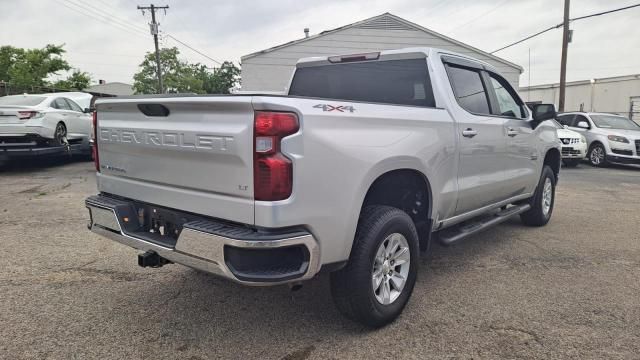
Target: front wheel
(597, 155)
(377, 283)
(542, 201)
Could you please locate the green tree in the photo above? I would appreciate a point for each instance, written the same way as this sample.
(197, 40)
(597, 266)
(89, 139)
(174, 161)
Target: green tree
(223, 79)
(78, 80)
(177, 76)
(31, 67)
(182, 77)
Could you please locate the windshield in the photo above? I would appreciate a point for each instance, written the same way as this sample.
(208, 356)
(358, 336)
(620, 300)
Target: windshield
(556, 124)
(21, 100)
(614, 122)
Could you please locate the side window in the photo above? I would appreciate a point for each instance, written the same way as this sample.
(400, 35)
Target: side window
(565, 119)
(508, 103)
(578, 119)
(60, 104)
(73, 105)
(468, 89)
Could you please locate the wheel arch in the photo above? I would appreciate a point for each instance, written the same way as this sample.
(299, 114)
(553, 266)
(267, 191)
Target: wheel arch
(407, 189)
(553, 158)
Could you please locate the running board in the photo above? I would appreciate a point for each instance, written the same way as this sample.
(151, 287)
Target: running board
(470, 227)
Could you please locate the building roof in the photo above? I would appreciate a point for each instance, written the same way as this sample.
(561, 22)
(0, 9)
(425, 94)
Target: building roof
(385, 21)
(112, 88)
(583, 82)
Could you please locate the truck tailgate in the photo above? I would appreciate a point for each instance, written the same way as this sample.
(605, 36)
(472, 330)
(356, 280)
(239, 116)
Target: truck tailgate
(189, 153)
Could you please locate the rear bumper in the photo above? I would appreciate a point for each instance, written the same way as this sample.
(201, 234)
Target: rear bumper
(235, 252)
(25, 130)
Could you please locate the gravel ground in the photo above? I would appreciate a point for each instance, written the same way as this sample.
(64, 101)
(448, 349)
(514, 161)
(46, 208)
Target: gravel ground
(568, 290)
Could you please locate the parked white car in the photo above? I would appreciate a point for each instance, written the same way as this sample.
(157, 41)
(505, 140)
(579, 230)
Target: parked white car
(42, 122)
(574, 145)
(610, 138)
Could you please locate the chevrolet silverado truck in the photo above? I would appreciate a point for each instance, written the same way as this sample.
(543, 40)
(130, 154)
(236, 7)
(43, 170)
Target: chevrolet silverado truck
(367, 160)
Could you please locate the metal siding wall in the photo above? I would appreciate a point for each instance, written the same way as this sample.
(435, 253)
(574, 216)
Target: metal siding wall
(272, 71)
(609, 95)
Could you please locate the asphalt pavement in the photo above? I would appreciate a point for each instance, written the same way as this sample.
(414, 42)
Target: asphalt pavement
(567, 290)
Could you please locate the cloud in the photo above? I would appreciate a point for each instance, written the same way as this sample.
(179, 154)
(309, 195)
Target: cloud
(109, 38)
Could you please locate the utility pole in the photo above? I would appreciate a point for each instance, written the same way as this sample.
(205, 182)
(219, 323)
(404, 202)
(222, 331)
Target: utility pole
(563, 60)
(154, 31)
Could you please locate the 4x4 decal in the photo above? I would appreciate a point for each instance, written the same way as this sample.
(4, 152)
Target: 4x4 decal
(339, 108)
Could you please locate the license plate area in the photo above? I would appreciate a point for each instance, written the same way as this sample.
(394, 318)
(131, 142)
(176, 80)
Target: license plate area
(158, 225)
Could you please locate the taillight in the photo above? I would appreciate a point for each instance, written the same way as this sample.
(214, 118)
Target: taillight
(272, 171)
(26, 115)
(94, 140)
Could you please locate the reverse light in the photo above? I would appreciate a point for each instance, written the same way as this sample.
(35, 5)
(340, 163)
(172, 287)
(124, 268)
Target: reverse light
(272, 170)
(617, 138)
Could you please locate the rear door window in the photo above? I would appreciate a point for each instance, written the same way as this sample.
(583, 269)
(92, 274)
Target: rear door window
(469, 90)
(73, 106)
(400, 82)
(61, 104)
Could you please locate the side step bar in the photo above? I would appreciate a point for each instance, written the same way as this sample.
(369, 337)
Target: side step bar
(461, 231)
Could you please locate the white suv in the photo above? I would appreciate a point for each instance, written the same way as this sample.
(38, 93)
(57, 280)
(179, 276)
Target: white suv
(574, 145)
(610, 138)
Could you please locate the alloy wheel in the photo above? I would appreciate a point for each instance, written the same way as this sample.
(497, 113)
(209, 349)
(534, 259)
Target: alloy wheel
(390, 268)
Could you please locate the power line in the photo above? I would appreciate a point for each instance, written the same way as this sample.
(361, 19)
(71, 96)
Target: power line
(560, 25)
(605, 12)
(93, 11)
(122, 24)
(106, 21)
(479, 16)
(193, 49)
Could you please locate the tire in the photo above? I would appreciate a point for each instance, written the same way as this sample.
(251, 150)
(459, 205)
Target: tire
(542, 201)
(597, 155)
(571, 163)
(353, 288)
(59, 135)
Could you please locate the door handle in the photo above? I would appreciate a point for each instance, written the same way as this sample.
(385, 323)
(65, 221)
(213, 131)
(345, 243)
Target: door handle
(512, 132)
(469, 132)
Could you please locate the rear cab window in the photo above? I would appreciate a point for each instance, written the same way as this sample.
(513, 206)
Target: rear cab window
(398, 82)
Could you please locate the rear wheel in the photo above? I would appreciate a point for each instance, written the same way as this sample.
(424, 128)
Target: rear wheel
(597, 155)
(542, 201)
(60, 135)
(378, 281)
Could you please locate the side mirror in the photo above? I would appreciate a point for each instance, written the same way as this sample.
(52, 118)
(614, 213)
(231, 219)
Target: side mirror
(86, 110)
(565, 126)
(542, 112)
(583, 124)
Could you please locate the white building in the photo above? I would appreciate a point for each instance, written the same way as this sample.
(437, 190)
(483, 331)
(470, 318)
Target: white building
(619, 94)
(271, 69)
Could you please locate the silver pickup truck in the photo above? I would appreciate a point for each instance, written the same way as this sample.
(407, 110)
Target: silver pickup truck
(366, 161)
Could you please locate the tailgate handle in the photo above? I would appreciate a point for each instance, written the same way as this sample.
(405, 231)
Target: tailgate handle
(154, 109)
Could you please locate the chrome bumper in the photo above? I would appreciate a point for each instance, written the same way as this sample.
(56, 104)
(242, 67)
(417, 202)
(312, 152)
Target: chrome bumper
(200, 249)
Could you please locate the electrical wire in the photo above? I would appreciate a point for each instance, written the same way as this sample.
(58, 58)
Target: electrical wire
(91, 15)
(561, 24)
(193, 49)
